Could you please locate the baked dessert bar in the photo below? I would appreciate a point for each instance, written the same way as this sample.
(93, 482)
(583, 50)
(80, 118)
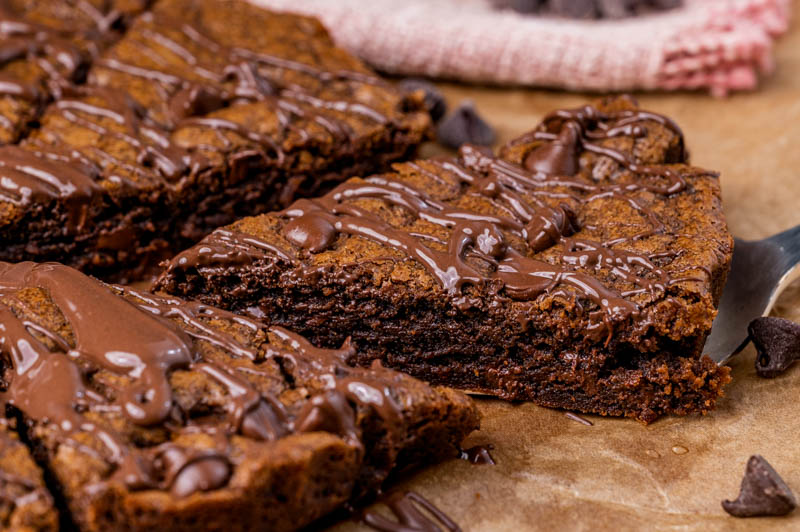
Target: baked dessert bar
(46, 47)
(151, 413)
(579, 269)
(205, 111)
(25, 503)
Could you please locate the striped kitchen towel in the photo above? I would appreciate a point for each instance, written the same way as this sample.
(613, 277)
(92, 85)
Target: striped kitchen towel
(719, 45)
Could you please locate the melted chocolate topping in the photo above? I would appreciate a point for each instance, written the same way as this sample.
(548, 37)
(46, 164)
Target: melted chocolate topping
(144, 339)
(568, 132)
(408, 508)
(236, 76)
(45, 47)
(480, 249)
(46, 167)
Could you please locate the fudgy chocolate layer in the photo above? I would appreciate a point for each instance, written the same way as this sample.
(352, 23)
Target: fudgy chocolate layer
(579, 269)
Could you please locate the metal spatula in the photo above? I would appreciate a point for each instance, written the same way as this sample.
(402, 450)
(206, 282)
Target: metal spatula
(760, 271)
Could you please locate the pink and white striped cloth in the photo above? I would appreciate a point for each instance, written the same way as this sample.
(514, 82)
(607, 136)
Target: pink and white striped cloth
(720, 45)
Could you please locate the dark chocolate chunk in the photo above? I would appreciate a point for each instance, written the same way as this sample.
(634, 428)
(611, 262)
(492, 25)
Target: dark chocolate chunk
(763, 492)
(465, 126)
(435, 102)
(589, 9)
(665, 4)
(559, 157)
(527, 6)
(777, 342)
(574, 8)
(478, 455)
(615, 8)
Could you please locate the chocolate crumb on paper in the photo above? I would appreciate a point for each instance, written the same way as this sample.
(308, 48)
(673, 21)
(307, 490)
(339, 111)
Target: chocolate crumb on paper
(413, 513)
(478, 455)
(579, 419)
(763, 492)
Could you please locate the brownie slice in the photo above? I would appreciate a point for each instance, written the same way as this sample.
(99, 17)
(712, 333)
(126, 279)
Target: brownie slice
(25, 503)
(46, 47)
(206, 111)
(580, 269)
(152, 413)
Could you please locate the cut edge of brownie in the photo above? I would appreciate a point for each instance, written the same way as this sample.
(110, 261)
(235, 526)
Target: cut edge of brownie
(346, 429)
(552, 352)
(128, 238)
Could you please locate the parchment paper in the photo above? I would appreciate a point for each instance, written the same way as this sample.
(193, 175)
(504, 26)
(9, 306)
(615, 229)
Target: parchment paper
(554, 473)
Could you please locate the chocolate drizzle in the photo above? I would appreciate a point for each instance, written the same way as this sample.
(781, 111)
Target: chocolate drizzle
(41, 60)
(568, 132)
(220, 76)
(58, 58)
(143, 339)
(411, 511)
(191, 74)
(483, 250)
(27, 175)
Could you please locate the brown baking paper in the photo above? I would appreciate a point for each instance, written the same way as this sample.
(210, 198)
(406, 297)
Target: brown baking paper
(554, 473)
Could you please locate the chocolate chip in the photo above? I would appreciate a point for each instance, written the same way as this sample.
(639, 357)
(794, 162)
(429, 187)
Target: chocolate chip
(763, 492)
(527, 6)
(574, 8)
(434, 100)
(589, 9)
(464, 126)
(615, 8)
(777, 342)
(559, 156)
(666, 4)
(644, 7)
(204, 474)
